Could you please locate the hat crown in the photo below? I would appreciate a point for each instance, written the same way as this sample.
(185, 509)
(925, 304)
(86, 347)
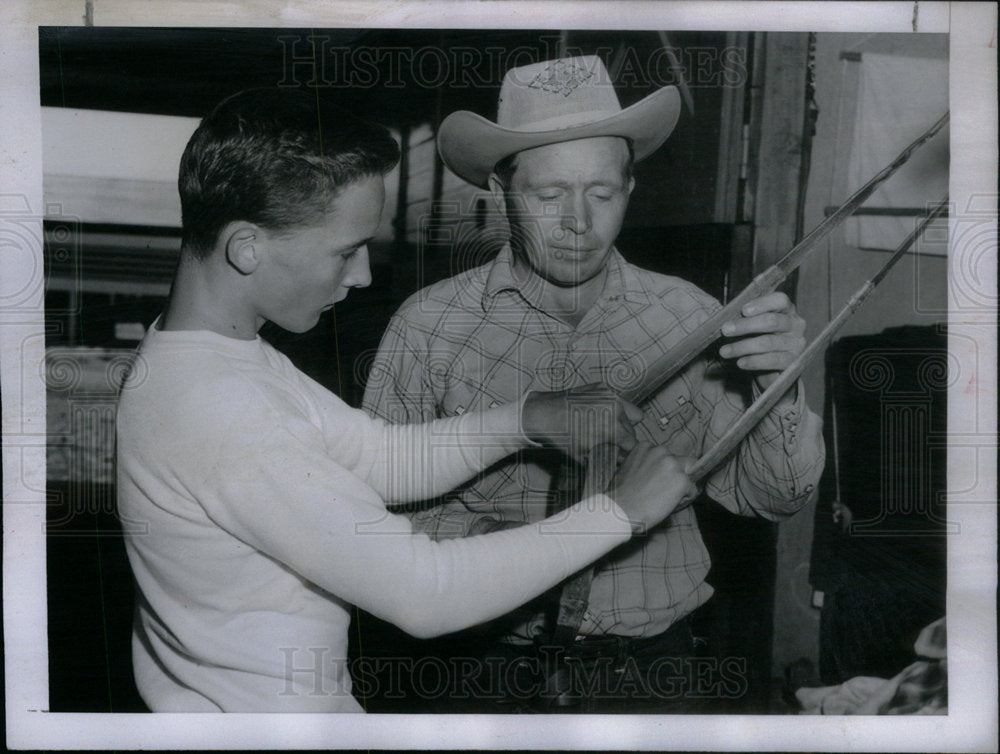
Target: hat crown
(556, 94)
(552, 102)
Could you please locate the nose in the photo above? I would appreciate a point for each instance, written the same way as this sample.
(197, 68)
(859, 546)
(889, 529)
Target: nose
(576, 214)
(359, 274)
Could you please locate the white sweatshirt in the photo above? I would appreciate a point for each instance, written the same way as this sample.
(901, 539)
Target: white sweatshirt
(252, 501)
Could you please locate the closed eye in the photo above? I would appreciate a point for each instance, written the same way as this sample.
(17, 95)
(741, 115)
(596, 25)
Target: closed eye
(350, 251)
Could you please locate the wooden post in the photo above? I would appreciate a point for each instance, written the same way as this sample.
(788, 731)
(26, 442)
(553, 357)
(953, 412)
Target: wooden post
(779, 141)
(770, 203)
(731, 119)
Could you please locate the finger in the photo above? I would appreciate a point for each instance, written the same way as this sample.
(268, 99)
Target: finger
(659, 461)
(592, 391)
(687, 462)
(626, 422)
(766, 322)
(675, 470)
(642, 448)
(637, 453)
(760, 345)
(775, 361)
(772, 302)
(626, 441)
(633, 413)
(690, 492)
(626, 431)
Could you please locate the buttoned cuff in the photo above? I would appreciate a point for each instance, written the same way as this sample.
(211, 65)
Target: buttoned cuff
(788, 416)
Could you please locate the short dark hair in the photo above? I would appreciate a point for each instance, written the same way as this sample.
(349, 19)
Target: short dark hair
(505, 168)
(274, 157)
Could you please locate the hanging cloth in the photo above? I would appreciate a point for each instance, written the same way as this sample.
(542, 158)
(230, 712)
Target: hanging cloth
(897, 97)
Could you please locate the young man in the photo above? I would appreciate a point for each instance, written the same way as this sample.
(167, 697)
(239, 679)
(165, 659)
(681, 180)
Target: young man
(558, 307)
(252, 498)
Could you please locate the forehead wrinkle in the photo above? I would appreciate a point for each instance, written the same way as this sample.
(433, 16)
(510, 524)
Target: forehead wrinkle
(567, 175)
(569, 185)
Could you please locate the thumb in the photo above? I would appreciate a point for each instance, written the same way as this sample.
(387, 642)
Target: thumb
(632, 412)
(693, 485)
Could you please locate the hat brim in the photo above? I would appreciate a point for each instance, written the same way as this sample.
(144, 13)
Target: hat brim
(471, 145)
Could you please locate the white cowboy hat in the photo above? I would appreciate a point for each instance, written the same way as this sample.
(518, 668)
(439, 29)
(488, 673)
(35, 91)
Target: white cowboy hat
(550, 102)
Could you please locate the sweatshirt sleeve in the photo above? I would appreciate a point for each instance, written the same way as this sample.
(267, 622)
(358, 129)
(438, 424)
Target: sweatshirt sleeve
(398, 392)
(270, 481)
(409, 462)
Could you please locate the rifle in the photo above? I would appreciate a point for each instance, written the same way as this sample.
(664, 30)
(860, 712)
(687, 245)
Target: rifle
(602, 461)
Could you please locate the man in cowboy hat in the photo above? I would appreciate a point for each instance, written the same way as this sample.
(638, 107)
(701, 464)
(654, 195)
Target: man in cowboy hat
(559, 306)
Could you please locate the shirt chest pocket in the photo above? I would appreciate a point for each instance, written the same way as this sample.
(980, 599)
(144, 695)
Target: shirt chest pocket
(459, 400)
(667, 415)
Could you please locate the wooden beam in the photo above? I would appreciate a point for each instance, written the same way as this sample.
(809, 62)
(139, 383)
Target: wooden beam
(779, 145)
(727, 182)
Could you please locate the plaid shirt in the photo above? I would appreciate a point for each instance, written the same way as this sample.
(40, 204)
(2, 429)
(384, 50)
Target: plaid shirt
(478, 340)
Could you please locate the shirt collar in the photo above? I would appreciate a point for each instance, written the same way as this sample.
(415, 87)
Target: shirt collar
(622, 282)
(501, 275)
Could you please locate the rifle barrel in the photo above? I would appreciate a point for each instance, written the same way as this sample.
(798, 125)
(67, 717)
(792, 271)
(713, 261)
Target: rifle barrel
(680, 355)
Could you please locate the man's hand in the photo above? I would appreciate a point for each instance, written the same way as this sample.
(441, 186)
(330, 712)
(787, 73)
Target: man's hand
(650, 485)
(578, 419)
(767, 338)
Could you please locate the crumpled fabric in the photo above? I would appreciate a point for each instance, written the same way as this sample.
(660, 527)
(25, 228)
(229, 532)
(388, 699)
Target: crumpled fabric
(920, 689)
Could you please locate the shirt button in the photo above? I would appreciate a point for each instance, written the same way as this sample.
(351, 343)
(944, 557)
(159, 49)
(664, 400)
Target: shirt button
(809, 488)
(664, 421)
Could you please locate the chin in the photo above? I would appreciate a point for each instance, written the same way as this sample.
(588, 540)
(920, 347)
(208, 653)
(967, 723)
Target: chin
(300, 326)
(300, 329)
(573, 278)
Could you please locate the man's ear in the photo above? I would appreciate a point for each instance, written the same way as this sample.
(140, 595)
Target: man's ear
(499, 195)
(242, 241)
